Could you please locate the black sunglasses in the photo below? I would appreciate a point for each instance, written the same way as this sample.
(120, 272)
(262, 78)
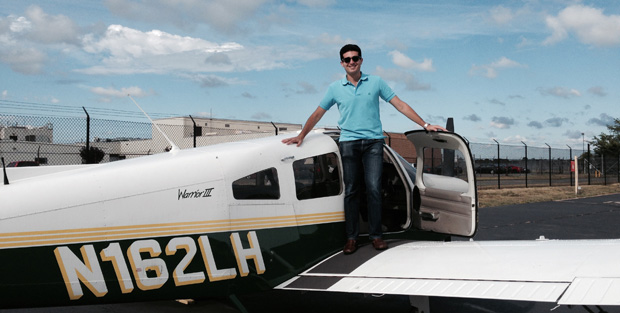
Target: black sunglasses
(347, 60)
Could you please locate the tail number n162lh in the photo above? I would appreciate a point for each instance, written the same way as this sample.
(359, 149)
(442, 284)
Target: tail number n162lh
(151, 273)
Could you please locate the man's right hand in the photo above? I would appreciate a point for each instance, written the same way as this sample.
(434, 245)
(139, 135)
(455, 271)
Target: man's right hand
(310, 123)
(293, 140)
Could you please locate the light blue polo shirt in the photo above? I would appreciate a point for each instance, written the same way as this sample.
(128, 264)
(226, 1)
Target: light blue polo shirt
(358, 106)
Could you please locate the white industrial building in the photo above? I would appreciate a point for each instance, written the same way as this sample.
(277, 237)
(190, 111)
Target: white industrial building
(24, 143)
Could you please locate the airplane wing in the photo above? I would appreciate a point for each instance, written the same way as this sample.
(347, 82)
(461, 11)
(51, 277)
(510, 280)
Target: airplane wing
(568, 272)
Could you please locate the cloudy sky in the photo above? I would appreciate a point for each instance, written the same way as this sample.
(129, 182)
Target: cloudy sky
(533, 71)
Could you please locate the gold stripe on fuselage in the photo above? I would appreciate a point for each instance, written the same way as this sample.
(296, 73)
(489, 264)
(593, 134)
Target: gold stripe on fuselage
(65, 236)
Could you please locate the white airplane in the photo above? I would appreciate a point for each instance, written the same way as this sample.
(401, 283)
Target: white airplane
(256, 215)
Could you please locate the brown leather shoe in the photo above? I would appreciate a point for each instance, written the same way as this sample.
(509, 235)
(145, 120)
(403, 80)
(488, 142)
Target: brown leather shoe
(379, 244)
(350, 246)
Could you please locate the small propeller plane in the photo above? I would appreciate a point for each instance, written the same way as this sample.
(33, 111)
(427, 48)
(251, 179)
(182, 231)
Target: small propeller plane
(256, 215)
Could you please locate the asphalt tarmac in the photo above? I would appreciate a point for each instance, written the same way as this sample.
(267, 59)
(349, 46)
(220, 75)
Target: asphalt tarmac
(589, 218)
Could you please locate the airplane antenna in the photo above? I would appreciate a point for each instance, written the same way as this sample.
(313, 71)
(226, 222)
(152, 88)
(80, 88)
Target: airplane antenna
(6, 178)
(174, 147)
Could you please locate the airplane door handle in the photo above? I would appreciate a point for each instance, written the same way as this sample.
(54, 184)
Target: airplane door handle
(429, 216)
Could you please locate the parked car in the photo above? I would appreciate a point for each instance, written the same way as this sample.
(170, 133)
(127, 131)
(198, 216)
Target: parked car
(516, 169)
(489, 169)
(22, 164)
(439, 170)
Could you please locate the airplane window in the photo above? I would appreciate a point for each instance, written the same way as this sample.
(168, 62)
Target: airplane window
(447, 163)
(317, 176)
(260, 185)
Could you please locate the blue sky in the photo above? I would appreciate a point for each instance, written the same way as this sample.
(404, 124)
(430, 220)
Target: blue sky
(533, 71)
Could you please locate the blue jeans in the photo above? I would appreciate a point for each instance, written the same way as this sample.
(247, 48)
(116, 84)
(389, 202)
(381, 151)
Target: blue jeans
(362, 157)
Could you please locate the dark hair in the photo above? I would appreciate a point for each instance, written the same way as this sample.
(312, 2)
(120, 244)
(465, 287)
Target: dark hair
(350, 47)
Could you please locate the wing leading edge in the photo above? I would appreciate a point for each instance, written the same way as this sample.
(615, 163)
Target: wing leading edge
(575, 272)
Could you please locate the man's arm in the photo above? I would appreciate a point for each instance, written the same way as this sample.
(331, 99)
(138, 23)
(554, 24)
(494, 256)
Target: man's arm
(407, 111)
(314, 118)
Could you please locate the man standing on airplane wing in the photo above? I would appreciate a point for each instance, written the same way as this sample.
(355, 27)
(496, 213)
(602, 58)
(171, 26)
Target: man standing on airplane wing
(361, 139)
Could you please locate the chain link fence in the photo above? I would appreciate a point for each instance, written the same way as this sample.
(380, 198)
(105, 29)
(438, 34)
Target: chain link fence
(499, 166)
(65, 140)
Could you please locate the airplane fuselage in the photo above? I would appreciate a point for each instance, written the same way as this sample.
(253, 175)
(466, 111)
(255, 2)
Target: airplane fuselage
(207, 222)
(190, 224)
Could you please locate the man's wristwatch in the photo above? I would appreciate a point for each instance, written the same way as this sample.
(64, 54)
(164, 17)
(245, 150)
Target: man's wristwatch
(426, 125)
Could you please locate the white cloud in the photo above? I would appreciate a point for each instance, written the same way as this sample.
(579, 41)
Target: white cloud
(127, 51)
(21, 59)
(524, 42)
(5, 93)
(213, 81)
(18, 24)
(306, 88)
(218, 58)
(555, 121)
(560, 92)
(404, 61)
(603, 120)
(535, 124)
(133, 51)
(111, 92)
(472, 117)
(573, 134)
(590, 26)
(395, 75)
(502, 122)
(501, 15)
(498, 102)
(598, 91)
(125, 42)
(505, 62)
(24, 39)
(317, 3)
(491, 70)
(516, 139)
(248, 95)
(222, 15)
(49, 29)
(38, 26)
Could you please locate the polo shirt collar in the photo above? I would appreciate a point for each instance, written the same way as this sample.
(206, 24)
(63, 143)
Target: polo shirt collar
(345, 81)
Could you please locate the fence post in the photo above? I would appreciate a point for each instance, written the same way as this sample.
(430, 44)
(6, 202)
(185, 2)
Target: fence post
(87, 134)
(526, 168)
(549, 163)
(498, 175)
(194, 130)
(6, 178)
(589, 164)
(603, 169)
(274, 126)
(570, 152)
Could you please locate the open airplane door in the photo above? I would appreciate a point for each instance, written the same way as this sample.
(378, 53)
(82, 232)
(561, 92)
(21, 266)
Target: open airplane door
(446, 183)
